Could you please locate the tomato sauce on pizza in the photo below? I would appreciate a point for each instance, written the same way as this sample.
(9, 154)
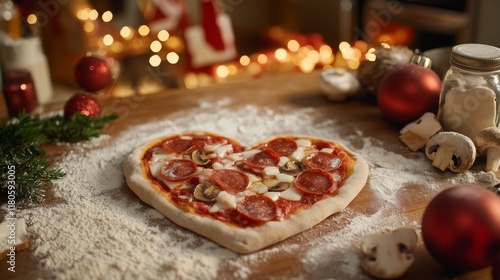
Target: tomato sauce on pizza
(215, 176)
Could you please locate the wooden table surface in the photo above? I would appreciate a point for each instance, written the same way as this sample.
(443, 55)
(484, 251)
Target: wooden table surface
(294, 90)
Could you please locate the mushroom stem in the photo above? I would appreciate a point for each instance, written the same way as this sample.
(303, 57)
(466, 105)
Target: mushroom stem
(416, 134)
(388, 255)
(443, 157)
(492, 159)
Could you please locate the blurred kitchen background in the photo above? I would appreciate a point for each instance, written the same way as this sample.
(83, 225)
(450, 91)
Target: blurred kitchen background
(157, 45)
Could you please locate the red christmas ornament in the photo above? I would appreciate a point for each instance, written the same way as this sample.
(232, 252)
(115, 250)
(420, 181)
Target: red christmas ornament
(407, 92)
(461, 227)
(84, 104)
(93, 73)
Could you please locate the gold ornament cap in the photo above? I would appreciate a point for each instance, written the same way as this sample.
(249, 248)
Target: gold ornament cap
(421, 60)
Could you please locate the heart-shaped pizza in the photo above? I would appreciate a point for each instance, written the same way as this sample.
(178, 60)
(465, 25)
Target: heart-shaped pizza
(245, 198)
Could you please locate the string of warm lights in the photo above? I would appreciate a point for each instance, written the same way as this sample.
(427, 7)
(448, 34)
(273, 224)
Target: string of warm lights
(165, 47)
(293, 57)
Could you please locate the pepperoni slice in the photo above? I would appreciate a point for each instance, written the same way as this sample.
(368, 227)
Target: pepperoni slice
(321, 160)
(283, 146)
(314, 181)
(177, 145)
(258, 208)
(232, 181)
(262, 159)
(178, 170)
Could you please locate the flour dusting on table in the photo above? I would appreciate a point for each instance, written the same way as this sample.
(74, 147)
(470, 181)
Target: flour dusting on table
(99, 229)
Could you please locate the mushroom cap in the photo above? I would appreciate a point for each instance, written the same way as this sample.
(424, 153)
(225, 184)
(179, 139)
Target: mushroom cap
(425, 126)
(200, 158)
(338, 84)
(464, 151)
(292, 167)
(388, 254)
(206, 192)
(488, 137)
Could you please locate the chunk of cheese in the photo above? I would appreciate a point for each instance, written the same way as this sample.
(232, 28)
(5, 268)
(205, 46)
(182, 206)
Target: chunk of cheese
(224, 201)
(303, 142)
(327, 150)
(242, 155)
(217, 165)
(284, 178)
(283, 161)
(298, 154)
(222, 151)
(273, 195)
(211, 148)
(271, 170)
(155, 167)
(161, 156)
(291, 194)
(258, 187)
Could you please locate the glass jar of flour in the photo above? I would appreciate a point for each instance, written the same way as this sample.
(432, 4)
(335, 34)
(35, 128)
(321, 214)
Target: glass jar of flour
(470, 93)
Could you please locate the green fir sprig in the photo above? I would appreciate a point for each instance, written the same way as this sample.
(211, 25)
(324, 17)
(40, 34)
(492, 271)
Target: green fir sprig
(21, 152)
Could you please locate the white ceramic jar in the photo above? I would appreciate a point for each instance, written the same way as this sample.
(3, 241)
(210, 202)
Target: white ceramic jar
(27, 54)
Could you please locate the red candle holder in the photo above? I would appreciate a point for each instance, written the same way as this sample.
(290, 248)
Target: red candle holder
(19, 91)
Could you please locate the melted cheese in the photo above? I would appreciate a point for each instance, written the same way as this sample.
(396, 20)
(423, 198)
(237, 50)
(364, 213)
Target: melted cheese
(284, 178)
(172, 185)
(160, 155)
(298, 154)
(273, 195)
(224, 201)
(211, 148)
(256, 188)
(327, 150)
(252, 178)
(217, 165)
(243, 155)
(222, 151)
(303, 142)
(205, 174)
(283, 161)
(271, 170)
(155, 167)
(291, 194)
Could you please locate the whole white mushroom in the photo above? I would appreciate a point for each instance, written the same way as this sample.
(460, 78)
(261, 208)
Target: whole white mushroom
(488, 143)
(416, 134)
(338, 84)
(388, 255)
(452, 150)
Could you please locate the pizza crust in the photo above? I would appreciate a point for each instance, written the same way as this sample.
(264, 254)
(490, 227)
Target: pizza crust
(248, 239)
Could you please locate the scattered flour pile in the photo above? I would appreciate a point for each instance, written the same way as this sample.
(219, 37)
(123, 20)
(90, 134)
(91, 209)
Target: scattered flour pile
(100, 230)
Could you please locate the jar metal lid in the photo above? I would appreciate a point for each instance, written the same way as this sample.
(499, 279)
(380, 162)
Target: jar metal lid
(478, 57)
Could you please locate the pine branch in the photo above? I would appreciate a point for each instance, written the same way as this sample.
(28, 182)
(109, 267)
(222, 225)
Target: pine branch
(21, 142)
(76, 128)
